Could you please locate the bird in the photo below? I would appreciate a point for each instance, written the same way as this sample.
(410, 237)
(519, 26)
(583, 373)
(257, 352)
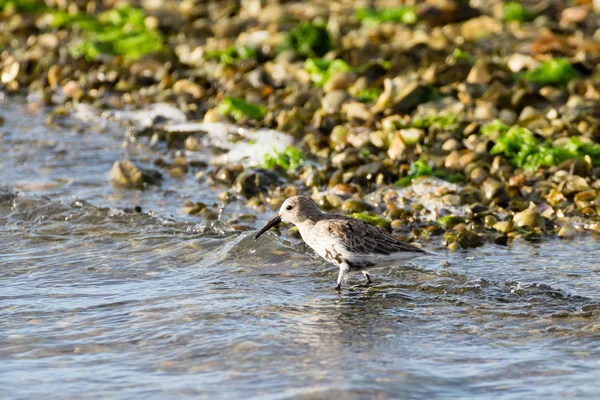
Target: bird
(349, 243)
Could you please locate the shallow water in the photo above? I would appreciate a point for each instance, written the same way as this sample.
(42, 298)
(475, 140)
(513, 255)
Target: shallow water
(100, 301)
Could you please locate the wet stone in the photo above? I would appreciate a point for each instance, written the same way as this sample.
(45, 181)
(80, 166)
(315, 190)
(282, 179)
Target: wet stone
(451, 145)
(478, 175)
(410, 97)
(254, 181)
(338, 135)
(503, 226)
(490, 221)
(567, 231)
(312, 178)
(574, 184)
(225, 196)
(340, 81)
(397, 147)
(227, 174)
(209, 215)
(501, 239)
(242, 227)
(193, 208)
(333, 101)
(449, 221)
(465, 238)
(452, 161)
(480, 28)
(453, 247)
(355, 205)
(585, 198)
(529, 218)
(348, 158)
(492, 188)
(126, 174)
(368, 170)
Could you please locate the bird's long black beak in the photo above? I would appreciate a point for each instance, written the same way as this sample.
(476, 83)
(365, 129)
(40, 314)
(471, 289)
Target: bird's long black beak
(275, 221)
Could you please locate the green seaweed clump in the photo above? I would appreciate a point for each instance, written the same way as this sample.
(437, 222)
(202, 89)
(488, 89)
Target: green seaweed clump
(445, 122)
(554, 72)
(231, 55)
(580, 149)
(517, 145)
(404, 15)
(515, 11)
(369, 95)
(422, 168)
(461, 55)
(321, 70)
(290, 159)
(549, 155)
(372, 219)
(494, 129)
(308, 40)
(119, 31)
(448, 221)
(238, 109)
(417, 169)
(523, 150)
(22, 5)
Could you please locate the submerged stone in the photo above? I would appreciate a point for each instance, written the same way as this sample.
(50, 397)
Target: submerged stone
(355, 206)
(128, 175)
(567, 231)
(529, 218)
(254, 181)
(503, 226)
(465, 238)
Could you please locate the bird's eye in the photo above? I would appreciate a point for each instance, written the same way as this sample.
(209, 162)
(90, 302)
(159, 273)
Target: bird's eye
(289, 208)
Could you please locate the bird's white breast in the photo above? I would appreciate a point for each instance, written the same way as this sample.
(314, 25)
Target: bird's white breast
(323, 242)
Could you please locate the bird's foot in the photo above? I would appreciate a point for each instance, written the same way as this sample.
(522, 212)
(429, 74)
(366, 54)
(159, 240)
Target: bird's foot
(338, 287)
(367, 277)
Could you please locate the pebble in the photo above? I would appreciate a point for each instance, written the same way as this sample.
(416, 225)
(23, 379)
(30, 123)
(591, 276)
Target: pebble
(567, 231)
(332, 102)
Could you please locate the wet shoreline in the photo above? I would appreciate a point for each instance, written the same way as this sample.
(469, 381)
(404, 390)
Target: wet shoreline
(133, 177)
(278, 99)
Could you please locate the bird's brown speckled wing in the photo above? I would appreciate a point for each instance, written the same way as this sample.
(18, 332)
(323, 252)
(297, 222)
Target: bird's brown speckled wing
(363, 238)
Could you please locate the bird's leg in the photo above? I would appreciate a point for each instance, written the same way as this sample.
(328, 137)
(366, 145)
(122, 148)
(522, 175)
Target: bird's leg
(340, 279)
(342, 276)
(367, 277)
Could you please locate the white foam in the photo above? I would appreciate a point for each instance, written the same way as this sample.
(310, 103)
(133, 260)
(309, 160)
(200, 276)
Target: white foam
(140, 119)
(88, 114)
(429, 191)
(145, 118)
(250, 147)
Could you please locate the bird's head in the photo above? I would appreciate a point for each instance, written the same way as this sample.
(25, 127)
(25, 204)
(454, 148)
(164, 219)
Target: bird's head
(295, 210)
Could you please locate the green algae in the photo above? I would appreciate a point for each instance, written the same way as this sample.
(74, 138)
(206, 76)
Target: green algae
(372, 219)
(515, 11)
(446, 122)
(308, 40)
(116, 32)
(523, 150)
(321, 70)
(402, 14)
(558, 71)
(290, 159)
(369, 95)
(231, 55)
(238, 109)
